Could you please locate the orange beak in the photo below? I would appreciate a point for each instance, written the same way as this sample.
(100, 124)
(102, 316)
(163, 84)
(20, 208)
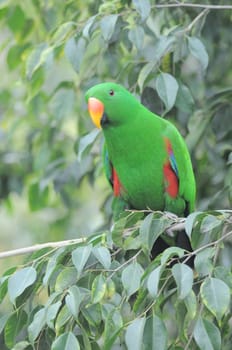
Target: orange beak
(96, 110)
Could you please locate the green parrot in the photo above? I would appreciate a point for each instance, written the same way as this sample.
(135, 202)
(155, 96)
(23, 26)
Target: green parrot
(146, 159)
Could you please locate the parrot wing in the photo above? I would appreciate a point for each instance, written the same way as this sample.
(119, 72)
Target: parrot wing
(179, 175)
(170, 170)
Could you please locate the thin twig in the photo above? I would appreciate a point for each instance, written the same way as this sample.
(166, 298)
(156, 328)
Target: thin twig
(179, 226)
(125, 263)
(36, 247)
(202, 6)
(188, 255)
(214, 243)
(191, 25)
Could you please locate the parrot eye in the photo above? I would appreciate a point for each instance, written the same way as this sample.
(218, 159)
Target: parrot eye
(111, 92)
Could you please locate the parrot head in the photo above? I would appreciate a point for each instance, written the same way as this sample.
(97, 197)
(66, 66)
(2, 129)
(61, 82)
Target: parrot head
(109, 103)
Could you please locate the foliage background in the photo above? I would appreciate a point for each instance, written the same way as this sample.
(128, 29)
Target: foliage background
(52, 186)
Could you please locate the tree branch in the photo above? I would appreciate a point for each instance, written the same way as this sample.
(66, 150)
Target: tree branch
(36, 247)
(208, 245)
(202, 6)
(176, 226)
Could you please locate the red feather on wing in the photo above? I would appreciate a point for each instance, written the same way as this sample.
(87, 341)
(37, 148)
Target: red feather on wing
(170, 171)
(116, 183)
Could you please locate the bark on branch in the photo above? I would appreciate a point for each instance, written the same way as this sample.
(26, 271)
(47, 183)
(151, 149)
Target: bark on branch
(36, 247)
(202, 6)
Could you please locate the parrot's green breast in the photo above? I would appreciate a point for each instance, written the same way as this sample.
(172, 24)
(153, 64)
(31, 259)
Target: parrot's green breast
(137, 162)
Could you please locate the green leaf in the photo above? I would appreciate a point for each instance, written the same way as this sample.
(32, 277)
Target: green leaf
(216, 296)
(16, 19)
(63, 31)
(117, 230)
(73, 300)
(110, 288)
(167, 88)
(171, 252)
(21, 345)
(66, 278)
(209, 223)
(3, 288)
(3, 321)
(19, 281)
(102, 254)
(13, 56)
(153, 281)
(191, 304)
(113, 326)
(143, 8)
(7, 274)
(224, 274)
(184, 99)
(202, 234)
(36, 83)
(62, 319)
(189, 222)
(52, 264)
(98, 288)
(37, 324)
(163, 45)
(183, 276)
(131, 277)
(155, 334)
(41, 55)
(88, 343)
(66, 341)
(144, 73)
(134, 334)
(62, 103)
(88, 25)
(13, 326)
(151, 228)
(197, 49)
(37, 196)
(86, 142)
(207, 335)
(93, 314)
(108, 26)
(203, 261)
(74, 50)
(141, 298)
(136, 36)
(80, 256)
(51, 313)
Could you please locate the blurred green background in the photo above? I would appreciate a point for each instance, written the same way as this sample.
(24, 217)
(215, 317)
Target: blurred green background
(52, 185)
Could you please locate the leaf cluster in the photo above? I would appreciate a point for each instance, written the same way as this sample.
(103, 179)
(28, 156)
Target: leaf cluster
(108, 294)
